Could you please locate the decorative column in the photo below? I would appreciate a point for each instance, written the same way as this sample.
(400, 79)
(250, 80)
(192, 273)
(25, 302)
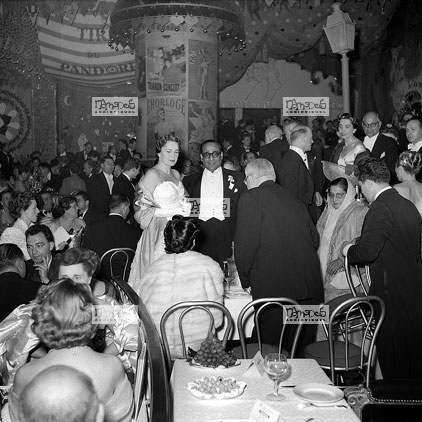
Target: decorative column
(176, 47)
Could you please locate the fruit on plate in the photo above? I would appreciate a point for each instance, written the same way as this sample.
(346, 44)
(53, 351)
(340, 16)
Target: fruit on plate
(216, 388)
(212, 354)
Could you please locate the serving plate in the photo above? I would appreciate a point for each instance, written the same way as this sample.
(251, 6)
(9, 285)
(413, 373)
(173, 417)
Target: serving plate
(318, 393)
(217, 388)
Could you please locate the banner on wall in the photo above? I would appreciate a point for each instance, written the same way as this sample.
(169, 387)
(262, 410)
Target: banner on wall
(114, 106)
(166, 65)
(166, 116)
(202, 70)
(306, 106)
(202, 121)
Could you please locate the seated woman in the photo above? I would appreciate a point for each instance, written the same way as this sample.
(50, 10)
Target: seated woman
(179, 275)
(407, 168)
(67, 229)
(24, 209)
(340, 222)
(62, 318)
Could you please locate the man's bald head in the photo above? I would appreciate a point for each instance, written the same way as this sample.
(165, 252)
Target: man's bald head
(60, 393)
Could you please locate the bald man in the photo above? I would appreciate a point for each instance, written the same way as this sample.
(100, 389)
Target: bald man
(381, 146)
(60, 393)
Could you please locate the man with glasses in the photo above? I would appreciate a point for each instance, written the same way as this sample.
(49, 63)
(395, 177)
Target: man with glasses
(275, 248)
(381, 146)
(214, 192)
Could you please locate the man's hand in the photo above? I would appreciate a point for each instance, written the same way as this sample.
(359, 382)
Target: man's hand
(345, 247)
(42, 269)
(335, 266)
(318, 199)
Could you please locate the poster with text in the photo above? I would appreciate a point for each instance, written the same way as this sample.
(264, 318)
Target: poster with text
(166, 65)
(202, 70)
(166, 116)
(202, 121)
(140, 67)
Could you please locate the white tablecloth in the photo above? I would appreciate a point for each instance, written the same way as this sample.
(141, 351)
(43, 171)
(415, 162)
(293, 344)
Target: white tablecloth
(190, 409)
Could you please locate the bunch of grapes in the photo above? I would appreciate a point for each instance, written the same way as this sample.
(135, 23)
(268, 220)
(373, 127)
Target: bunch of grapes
(212, 353)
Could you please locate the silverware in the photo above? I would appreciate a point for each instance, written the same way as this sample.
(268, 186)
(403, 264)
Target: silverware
(309, 404)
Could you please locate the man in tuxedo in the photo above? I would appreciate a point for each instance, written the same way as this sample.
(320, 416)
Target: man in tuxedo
(414, 134)
(274, 148)
(295, 176)
(390, 243)
(15, 289)
(49, 179)
(63, 152)
(113, 231)
(380, 145)
(275, 246)
(82, 156)
(215, 192)
(100, 186)
(85, 211)
(40, 244)
(123, 184)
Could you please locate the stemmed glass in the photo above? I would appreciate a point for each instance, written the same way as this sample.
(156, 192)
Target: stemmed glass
(276, 366)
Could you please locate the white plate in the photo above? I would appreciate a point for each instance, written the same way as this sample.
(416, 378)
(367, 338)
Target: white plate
(318, 393)
(234, 392)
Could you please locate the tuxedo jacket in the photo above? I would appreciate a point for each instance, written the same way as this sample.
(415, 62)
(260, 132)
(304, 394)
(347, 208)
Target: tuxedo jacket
(296, 178)
(391, 243)
(274, 152)
(99, 193)
(123, 186)
(15, 291)
(275, 245)
(91, 216)
(387, 148)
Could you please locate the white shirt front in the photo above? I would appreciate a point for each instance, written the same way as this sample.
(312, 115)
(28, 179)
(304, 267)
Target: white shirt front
(415, 147)
(369, 142)
(302, 155)
(212, 195)
(110, 182)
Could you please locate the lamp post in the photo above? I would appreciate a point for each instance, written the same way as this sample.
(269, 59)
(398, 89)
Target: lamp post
(340, 31)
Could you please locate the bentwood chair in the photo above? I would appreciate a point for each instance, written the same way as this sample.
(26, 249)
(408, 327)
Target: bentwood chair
(360, 319)
(259, 307)
(116, 262)
(183, 308)
(361, 288)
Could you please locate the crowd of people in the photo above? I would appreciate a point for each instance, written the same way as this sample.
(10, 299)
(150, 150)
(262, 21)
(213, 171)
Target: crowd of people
(290, 202)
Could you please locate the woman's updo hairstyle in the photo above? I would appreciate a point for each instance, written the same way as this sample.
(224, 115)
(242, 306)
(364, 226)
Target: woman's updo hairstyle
(63, 314)
(162, 140)
(353, 120)
(180, 234)
(411, 162)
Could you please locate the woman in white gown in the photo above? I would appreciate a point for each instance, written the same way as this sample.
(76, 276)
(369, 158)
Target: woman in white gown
(162, 195)
(347, 126)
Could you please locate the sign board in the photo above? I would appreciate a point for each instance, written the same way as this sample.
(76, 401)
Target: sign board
(115, 106)
(306, 106)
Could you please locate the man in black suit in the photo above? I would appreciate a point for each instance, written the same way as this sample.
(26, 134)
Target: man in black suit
(40, 244)
(275, 246)
(15, 289)
(100, 186)
(113, 231)
(123, 184)
(391, 244)
(215, 192)
(85, 211)
(274, 148)
(82, 156)
(295, 176)
(381, 146)
(49, 179)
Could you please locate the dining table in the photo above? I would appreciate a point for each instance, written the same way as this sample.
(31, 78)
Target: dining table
(187, 408)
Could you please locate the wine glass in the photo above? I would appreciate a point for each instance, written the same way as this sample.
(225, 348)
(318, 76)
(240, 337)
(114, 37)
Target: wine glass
(276, 366)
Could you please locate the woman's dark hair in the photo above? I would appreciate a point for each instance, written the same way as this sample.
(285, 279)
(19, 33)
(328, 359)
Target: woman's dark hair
(64, 204)
(353, 120)
(340, 182)
(19, 203)
(162, 140)
(63, 314)
(89, 260)
(180, 234)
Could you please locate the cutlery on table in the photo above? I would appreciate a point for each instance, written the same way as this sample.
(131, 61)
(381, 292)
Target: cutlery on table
(309, 404)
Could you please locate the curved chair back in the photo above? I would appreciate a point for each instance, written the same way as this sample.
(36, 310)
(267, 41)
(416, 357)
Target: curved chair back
(259, 306)
(116, 262)
(372, 310)
(362, 284)
(189, 306)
